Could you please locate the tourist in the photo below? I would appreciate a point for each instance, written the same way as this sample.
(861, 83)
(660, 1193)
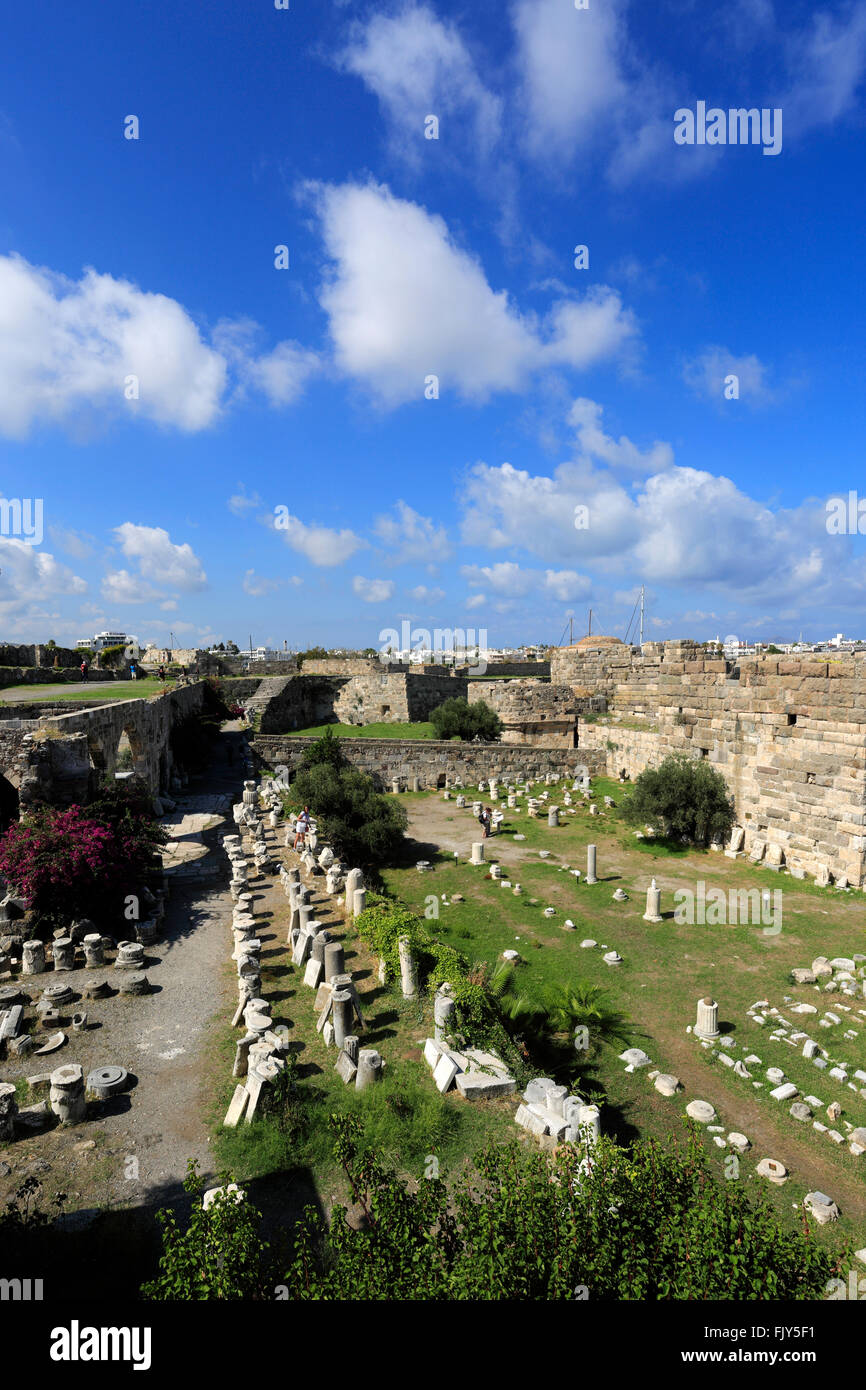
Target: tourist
(484, 823)
(83, 669)
(488, 821)
(302, 825)
(133, 673)
(161, 673)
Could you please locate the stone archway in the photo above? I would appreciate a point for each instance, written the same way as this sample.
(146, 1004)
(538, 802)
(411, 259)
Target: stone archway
(9, 803)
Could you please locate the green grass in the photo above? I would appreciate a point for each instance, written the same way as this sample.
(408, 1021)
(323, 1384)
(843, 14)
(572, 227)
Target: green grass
(666, 968)
(120, 690)
(413, 731)
(404, 1115)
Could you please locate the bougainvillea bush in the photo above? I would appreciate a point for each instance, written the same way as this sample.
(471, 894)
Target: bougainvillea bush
(84, 861)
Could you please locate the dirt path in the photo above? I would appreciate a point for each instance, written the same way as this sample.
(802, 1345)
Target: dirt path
(134, 1150)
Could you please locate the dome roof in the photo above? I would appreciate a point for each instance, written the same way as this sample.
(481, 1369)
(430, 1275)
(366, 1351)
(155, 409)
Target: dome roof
(589, 644)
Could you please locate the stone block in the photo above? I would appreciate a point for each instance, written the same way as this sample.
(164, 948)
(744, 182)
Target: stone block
(480, 1086)
(444, 1072)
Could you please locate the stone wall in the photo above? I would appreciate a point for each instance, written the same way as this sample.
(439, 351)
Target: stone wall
(531, 711)
(38, 655)
(69, 753)
(433, 761)
(377, 695)
(787, 733)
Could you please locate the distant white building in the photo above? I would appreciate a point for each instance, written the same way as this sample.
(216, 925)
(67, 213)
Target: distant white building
(101, 640)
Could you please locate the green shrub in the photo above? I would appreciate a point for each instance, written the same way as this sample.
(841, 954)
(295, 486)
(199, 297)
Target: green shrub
(685, 796)
(366, 827)
(457, 718)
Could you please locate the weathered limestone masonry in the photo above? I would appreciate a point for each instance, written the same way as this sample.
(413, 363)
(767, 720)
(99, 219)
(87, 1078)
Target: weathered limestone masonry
(434, 762)
(787, 733)
(531, 712)
(59, 762)
(370, 695)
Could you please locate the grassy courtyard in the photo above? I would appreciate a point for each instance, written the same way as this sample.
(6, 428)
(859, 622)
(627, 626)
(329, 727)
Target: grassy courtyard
(97, 693)
(666, 968)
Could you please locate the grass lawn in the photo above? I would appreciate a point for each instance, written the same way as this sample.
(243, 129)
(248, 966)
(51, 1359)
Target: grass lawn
(404, 1115)
(666, 968)
(119, 690)
(419, 730)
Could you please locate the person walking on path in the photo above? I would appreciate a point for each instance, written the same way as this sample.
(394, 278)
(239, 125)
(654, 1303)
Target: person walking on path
(83, 669)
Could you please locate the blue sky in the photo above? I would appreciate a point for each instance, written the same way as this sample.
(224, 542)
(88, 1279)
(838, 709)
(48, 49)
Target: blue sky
(303, 396)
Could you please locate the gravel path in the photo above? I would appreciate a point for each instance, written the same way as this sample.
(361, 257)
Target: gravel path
(136, 1151)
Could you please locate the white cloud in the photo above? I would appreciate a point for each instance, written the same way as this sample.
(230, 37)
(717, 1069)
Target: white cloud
(566, 585)
(418, 65)
(475, 601)
(508, 580)
(571, 74)
(321, 545)
(159, 558)
(373, 590)
(422, 594)
(69, 350)
(30, 574)
(257, 585)
(67, 347)
(826, 64)
(281, 375)
(412, 537)
(76, 543)
(404, 302)
(706, 374)
(586, 416)
(242, 502)
(120, 586)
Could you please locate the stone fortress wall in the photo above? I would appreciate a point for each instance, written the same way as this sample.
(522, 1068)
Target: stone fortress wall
(433, 762)
(787, 733)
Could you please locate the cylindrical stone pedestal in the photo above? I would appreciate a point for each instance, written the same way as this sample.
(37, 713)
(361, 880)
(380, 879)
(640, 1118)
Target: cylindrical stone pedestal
(416, 784)
(590, 865)
(443, 1008)
(335, 963)
(305, 915)
(341, 1015)
(32, 958)
(8, 1111)
(369, 1068)
(395, 784)
(94, 954)
(66, 1095)
(359, 901)
(589, 1121)
(250, 798)
(354, 881)
(707, 1024)
(553, 817)
(64, 953)
(653, 903)
(408, 969)
(477, 852)
(130, 956)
